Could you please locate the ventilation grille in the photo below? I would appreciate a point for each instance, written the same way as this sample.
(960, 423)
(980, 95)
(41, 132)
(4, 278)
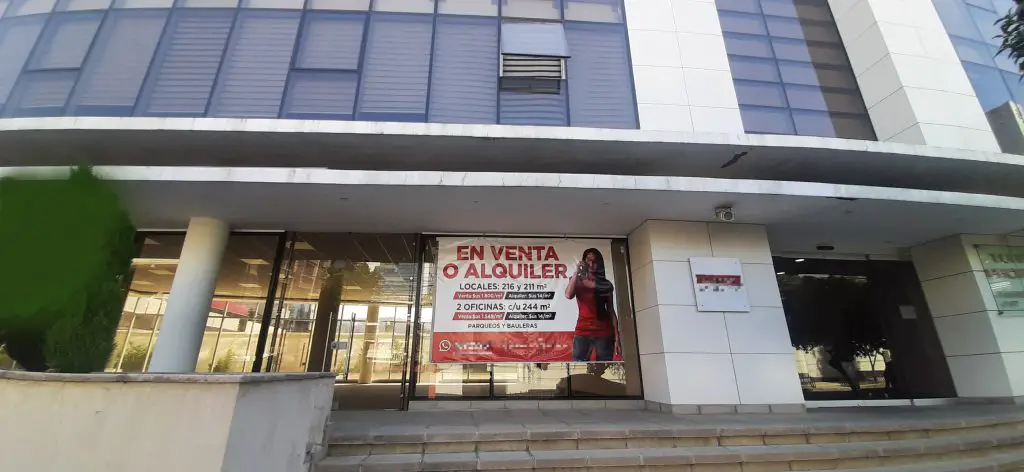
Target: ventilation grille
(535, 74)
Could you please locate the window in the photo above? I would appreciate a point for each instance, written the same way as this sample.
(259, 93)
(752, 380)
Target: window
(408, 6)
(355, 5)
(396, 69)
(598, 73)
(602, 11)
(252, 78)
(41, 93)
(29, 7)
(75, 5)
(464, 86)
(182, 75)
(537, 9)
(143, 3)
(17, 37)
(533, 57)
(111, 80)
(543, 109)
(324, 81)
(208, 3)
(468, 7)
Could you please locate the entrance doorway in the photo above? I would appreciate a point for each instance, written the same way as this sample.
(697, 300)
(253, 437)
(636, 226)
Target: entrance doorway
(345, 305)
(861, 330)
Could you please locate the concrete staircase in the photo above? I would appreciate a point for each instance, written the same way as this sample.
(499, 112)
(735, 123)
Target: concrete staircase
(975, 443)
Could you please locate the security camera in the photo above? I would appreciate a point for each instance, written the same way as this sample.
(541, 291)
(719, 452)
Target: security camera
(724, 214)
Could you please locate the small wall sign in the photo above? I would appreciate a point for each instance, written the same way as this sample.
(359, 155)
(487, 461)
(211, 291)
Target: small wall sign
(719, 285)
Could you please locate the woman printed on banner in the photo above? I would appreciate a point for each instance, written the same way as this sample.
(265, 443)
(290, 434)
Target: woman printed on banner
(596, 327)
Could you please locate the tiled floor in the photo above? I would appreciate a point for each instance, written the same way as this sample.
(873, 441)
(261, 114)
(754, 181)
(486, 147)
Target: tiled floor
(360, 423)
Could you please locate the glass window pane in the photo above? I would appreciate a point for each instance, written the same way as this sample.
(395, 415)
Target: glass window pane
(252, 77)
(3, 6)
(468, 7)
(464, 85)
(331, 41)
(956, 19)
(797, 50)
(66, 41)
(744, 45)
(396, 68)
(972, 51)
(29, 7)
(986, 23)
(544, 109)
(540, 9)
(742, 23)
(807, 74)
(988, 85)
(1003, 60)
(1014, 84)
(186, 64)
(813, 123)
(355, 5)
(42, 93)
(208, 3)
(111, 80)
(753, 69)
(74, 5)
(760, 93)
(852, 126)
(791, 28)
(746, 6)
(815, 11)
(813, 98)
(321, 95)
(766, 120)
(534, 39)
(600, 93)
(409, 6)
(16, 40)
(603, 11)
(280, 4)
(143, 3)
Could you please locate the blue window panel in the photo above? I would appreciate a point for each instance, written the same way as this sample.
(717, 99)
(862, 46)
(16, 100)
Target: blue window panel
(600, 93)
(542, 109)
(186, 64)
(331, 41)
(808, 74)
(760, 93)
(833, 125)
(802, 29)
(808, 97)
(988, 85)
(746, 6)
(748, 45)
(986, 23)
(29, 7)
(111, 79)
(1014, 84)
(42, 93)
(534, 39)
(464, 86)
(66, 40)
(396, 69)
(16, 39)
(255, 69)
(813, 123)
(799, 50)
(321, 95)
(764, 120)
(733, 22)
(956, 19)
(601, 11)
(751, 68)
(540, 9)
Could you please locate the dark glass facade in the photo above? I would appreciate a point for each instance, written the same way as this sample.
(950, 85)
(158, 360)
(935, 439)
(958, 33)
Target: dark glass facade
(380, 60)
(790, 69)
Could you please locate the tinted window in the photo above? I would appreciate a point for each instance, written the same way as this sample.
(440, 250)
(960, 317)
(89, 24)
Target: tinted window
(464, 86)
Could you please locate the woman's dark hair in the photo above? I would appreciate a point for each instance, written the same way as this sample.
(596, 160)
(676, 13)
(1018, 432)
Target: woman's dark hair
(603, 289)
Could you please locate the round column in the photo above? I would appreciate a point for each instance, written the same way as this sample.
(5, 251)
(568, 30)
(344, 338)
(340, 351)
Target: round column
(188, 306)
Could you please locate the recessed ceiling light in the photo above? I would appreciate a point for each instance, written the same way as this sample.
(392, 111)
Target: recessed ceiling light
(161, 272)
(142, 282)
(799, 260)
(303, 246)
(780, 273)
(152, 261)
(255, 261)
(250, 285)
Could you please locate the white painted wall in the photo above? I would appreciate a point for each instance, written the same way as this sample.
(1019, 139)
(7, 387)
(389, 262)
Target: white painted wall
(211, 423)
(701, 358)
(984, 350)
(912, 81)
(680, 67)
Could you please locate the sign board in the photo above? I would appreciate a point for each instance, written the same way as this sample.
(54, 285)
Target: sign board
(718, 284)
(1004, 273)
(524, 300)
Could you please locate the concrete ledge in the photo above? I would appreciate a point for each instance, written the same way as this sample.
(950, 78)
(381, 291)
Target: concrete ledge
(552, 404)
(788, 408)
(162, 378)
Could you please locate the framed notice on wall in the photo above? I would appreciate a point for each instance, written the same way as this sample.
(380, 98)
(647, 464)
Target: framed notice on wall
(1004, 272)
(718, 284)
(524, 300)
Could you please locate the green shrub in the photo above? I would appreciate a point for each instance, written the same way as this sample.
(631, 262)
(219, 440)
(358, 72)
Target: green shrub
(5, 361)
(66, 245)
(134, 359)
(223, 363)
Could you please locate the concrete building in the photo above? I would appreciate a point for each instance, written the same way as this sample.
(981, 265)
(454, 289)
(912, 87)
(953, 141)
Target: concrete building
(291, 165)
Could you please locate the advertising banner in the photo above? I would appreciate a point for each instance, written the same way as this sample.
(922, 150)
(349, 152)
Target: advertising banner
(532, 300)
(718, 284)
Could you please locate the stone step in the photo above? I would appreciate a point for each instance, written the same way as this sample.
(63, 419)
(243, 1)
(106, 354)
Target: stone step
(1006, 447)
(506, 438)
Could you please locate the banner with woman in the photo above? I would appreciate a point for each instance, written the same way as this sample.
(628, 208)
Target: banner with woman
(534, 300)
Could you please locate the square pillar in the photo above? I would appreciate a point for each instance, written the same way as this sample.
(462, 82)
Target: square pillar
(983, 347)
(710, 362)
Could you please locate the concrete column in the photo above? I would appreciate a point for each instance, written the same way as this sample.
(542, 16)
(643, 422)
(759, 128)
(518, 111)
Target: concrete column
(680, 68)
(703, 362)
(912, 81)
(983, 347)
(188, 306)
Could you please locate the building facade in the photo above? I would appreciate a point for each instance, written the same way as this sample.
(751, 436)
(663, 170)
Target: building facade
(297, 169)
